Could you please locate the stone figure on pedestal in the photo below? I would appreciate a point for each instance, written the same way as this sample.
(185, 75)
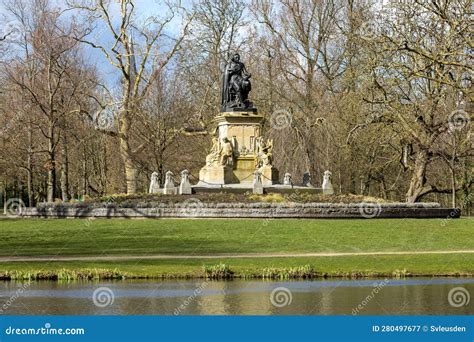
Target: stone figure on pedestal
(257, 183)
(169, 187)
(287, 179)
(226, 153)
(154, 183)
(212, 159)
(307, 179)
(236, 85)
(185, 185)
(327, 184)
(264, 152)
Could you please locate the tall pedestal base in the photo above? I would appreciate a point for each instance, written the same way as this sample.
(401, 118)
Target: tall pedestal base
(216, 175)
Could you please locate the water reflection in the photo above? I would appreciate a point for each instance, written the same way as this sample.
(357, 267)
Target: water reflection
(239, 297)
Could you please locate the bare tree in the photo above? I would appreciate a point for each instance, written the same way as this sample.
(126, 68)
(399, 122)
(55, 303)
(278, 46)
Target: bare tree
(47, 74)
(298, 36)
(422, 83)
(136, 51)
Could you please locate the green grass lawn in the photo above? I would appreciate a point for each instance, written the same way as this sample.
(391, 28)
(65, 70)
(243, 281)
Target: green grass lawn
(349, 266)
(51, 237)
(179, 236)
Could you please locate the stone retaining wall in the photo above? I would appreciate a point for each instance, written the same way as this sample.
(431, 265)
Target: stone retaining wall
(190, 209)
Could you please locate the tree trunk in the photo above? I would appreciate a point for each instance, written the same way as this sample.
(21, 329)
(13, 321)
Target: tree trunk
(453, 174)
(64, 170)
(383, 188)
(51, 183)
(467, 200)
(4, 195)
(418, 179)
(352, 176)
(30, 169)
(84, 172)
(126, 154)
(104, 170)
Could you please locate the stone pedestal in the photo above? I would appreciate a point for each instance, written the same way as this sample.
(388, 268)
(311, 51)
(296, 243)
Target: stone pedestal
(154, 184)
(269, 175)
(257, 183)
(185, 185)
(216, 175)
(169, 187)
(242, 129)
(244, 169)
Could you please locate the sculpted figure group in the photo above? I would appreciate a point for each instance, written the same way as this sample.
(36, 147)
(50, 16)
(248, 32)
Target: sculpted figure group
(220, 156)
(264, 152)
(223, 155)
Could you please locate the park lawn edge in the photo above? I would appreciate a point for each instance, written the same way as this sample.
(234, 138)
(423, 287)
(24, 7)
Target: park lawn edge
(350, 267)
(116, 274)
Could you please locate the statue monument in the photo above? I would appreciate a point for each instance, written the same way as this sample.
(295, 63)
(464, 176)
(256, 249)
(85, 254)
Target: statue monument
(238, 148)
(236, 86)
(239, 159)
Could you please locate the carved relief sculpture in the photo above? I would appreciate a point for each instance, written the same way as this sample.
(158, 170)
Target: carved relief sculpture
(226, 153)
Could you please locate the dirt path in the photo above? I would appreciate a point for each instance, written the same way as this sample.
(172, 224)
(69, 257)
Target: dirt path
(217, 256)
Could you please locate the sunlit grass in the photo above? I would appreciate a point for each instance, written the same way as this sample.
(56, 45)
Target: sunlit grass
(211, 236)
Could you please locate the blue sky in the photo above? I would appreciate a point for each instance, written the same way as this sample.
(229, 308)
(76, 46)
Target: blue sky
(143, 9)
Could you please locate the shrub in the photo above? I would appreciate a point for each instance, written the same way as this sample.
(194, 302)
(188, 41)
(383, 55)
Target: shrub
(400, 273)
(270, 198)
(219, 271)
(65, 274)
(299, 272)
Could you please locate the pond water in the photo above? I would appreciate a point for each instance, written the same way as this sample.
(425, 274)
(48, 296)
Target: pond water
(415, 296)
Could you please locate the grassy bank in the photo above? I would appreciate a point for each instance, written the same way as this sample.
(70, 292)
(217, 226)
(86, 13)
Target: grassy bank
(207, 237)
(272, 268)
